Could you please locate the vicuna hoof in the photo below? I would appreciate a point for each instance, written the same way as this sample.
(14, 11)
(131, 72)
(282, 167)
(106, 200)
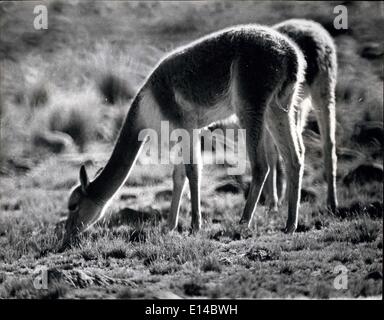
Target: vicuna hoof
(290, 229)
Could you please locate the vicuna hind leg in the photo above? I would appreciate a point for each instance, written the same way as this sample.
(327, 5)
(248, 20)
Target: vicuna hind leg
(253, 127)
(193, 172)
(179, 178)
(323, 99)
(270, 190)
(281, 124)
(281, 183)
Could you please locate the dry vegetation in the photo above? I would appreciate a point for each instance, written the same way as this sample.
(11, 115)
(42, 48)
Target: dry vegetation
(64, 93)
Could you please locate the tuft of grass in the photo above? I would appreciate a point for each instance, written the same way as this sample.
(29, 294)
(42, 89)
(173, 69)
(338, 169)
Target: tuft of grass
(55, 290)
(322, 291)
(194, 287)
(357, 209)
(369, 288)
(287, 268)
(89, 255)
(345, 255)
(117, 253)
(18, 288)
(360, 231)
(211, 264)
(114, 90)
(173, 249)
(126, 293)
(241, 284)
(163, 267)
(73, 122)
(261, 254)
(38, 97)
(302, 241)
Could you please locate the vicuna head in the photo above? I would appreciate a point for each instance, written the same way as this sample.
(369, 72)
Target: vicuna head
(83, 211)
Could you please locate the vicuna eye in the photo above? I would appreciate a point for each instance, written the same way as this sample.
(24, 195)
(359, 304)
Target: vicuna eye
(73, 207)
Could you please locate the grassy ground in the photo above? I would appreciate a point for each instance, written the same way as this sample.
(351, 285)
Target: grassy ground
(88, 65)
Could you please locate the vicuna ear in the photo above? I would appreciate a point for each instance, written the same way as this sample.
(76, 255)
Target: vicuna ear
(84, 179)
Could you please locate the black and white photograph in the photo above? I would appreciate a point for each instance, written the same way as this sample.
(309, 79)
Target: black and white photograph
(212, 151)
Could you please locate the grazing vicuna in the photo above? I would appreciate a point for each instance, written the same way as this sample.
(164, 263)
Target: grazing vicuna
(318, 92)
(251, 71)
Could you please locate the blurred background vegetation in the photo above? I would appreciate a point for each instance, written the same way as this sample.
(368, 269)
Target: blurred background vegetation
(67, 88)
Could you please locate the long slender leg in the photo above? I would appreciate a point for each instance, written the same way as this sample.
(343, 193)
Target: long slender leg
(179, 179)
(281, 183)
(255, 152)
(283, 128)
(193, 172)
(270, 188)
(324, 102)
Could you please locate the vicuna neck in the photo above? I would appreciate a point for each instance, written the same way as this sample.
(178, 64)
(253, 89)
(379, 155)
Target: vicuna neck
(123, 157)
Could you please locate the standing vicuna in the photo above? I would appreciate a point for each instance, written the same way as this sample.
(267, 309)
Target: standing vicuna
(318, 92)
(252, 71)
